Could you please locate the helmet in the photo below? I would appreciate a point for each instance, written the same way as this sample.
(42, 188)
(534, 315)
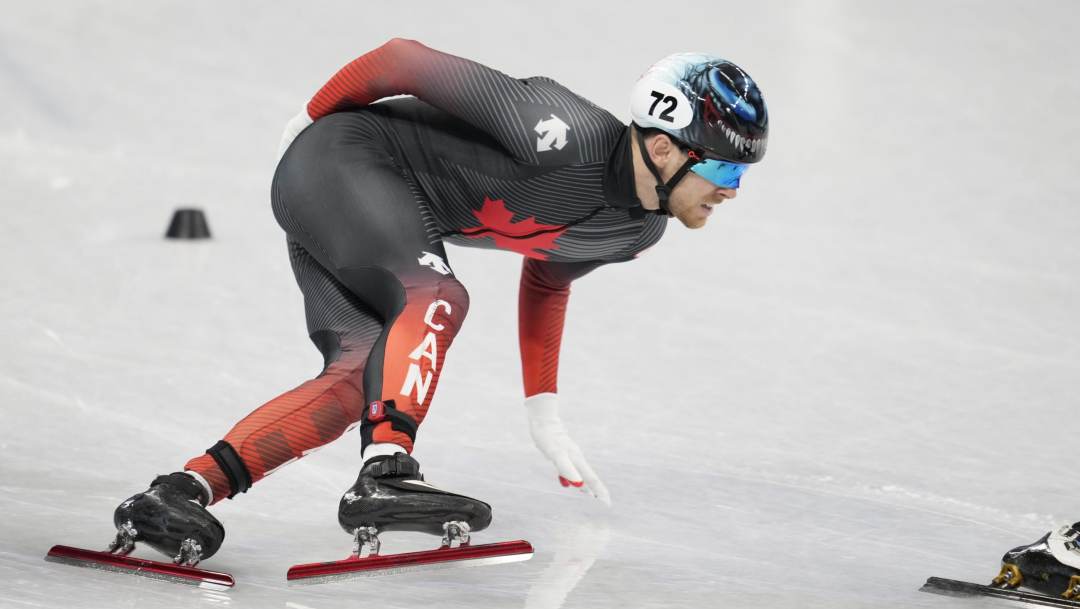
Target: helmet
(706, 102)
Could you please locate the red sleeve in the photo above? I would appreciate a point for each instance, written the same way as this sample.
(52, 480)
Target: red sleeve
(545, 290)
(486, 98)
(381, 73)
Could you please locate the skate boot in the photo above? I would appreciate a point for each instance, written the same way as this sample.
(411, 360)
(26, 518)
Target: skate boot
(391, 495)
(1051, 565)
(171, 518)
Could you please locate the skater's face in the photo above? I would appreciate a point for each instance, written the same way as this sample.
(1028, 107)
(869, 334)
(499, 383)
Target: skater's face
(693, 198)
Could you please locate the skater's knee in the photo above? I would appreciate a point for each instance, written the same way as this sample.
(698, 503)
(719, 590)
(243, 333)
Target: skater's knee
(329, 344)
(452, 291)
(444, 304)
(390, 293)
(380, 289)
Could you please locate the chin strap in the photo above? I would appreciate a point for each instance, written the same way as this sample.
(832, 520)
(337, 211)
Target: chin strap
(663, 190)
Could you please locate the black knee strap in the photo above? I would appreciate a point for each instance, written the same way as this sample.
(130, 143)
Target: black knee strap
(399, 421)
(232, 466)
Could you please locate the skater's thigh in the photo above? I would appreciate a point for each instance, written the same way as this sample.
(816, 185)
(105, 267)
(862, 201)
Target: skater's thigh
(339, 322)
(339, 193)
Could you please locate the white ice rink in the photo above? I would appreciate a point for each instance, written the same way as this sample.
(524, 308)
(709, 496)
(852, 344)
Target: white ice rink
(862, 373)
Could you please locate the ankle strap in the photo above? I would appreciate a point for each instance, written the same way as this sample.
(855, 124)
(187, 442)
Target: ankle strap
(394, 466)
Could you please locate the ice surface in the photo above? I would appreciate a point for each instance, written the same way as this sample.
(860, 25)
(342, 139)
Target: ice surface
(863, 373)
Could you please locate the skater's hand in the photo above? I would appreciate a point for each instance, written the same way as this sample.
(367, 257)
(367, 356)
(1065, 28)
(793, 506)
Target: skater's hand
(293, 129)
(549, 434)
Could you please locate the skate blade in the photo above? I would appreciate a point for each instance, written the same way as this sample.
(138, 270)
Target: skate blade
(413, 562)
(209, 580)
(952, 587)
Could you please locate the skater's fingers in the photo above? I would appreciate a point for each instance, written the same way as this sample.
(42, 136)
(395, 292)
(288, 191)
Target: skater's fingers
(567, 483)
(600, 491)
(568, 474)
(579, 462)
(589, 477)
(583, 468)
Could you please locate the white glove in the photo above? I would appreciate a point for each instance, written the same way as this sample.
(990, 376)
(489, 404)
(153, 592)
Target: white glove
(293, 129)
(549, 434)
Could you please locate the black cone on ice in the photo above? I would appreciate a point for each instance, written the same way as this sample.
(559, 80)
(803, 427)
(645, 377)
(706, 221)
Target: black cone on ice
(188, 224)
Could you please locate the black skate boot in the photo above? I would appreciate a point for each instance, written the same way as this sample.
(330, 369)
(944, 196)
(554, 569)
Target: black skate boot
(390, 495)
(1051, 565)
(170, 517)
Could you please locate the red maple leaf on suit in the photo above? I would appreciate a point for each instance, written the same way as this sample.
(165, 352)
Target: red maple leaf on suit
(497, 222)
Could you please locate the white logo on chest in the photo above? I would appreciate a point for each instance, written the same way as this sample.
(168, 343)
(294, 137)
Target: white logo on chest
(552, 134)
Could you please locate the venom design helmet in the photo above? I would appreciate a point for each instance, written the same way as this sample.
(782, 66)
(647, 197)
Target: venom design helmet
(706, 102)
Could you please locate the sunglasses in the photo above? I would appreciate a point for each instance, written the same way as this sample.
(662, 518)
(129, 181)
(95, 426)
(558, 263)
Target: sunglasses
(720, 173)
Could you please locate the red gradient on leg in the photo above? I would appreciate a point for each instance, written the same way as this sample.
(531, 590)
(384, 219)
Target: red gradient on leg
(416, 349)
(292, 424)
(205, 466)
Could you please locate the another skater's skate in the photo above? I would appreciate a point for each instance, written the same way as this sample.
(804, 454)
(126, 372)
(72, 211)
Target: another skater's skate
(1050, 566)
(391, 495)
(170, 517)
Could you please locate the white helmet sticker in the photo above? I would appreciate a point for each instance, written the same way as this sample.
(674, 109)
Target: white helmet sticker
(654, 103)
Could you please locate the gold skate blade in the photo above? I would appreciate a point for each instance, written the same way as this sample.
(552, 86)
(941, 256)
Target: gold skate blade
(414, 562)
(104, 561)
(1073, 590)
(1009, 578)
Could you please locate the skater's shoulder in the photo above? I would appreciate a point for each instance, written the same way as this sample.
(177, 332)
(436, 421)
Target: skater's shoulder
(562, 95)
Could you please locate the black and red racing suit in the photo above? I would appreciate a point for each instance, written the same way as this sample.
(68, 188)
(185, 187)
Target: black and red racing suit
(370, 193)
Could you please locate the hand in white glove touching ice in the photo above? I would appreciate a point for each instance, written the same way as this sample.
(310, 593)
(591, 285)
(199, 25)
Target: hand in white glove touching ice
(549, 434)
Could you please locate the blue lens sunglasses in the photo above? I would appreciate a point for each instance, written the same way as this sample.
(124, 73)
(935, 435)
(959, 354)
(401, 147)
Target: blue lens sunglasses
(722, 173)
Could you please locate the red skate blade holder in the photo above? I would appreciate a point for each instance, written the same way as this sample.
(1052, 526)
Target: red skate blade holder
(117, 563)
(412, 562)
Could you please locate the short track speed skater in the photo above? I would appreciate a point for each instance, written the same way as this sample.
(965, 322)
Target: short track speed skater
(391, 495)
(170, 517)
(1050, 567)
